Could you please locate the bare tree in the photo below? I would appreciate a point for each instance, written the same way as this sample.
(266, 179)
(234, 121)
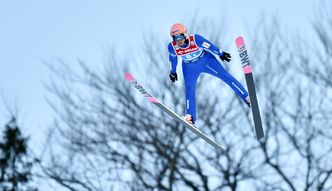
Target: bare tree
(107, 137)
(316, 55)
(110, 138)
(297, 146)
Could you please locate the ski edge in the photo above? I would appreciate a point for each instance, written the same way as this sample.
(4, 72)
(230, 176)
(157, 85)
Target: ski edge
(164, 108)
(247, 68)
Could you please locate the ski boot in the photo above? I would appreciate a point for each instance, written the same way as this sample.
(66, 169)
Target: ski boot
(188, 118)
(247, 100)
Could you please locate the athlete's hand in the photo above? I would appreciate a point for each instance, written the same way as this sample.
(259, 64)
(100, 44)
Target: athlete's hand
(173, 77)
(225, 57)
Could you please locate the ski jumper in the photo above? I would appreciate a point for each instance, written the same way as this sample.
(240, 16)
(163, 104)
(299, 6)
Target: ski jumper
(197, 57)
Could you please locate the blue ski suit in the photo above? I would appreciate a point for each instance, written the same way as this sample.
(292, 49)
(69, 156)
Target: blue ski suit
(198, 56)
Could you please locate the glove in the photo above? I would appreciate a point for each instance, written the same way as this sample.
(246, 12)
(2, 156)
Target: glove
(225, 57)
(173, 77)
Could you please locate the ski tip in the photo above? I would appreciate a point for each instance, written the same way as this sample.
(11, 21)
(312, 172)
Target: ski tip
(239, 41)
(153, 100)
(247, 69)
(128, 76)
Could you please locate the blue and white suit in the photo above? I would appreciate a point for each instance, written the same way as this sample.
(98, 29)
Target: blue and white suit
(197, 57)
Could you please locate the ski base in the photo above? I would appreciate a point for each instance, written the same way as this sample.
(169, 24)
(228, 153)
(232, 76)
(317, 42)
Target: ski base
(171, 113)
(251, 87)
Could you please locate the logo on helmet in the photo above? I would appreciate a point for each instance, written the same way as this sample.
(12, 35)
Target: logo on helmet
(174, 32)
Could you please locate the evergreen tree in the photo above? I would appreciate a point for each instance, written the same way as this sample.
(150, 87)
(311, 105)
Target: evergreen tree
(15, 169)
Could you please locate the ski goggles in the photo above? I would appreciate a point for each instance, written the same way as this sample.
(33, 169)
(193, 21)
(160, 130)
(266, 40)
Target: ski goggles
(179, 37)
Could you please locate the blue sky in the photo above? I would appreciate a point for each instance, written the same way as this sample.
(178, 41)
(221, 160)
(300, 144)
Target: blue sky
(36, 30)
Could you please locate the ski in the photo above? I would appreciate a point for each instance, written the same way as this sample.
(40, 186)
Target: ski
(251, 86)
(175, 116)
